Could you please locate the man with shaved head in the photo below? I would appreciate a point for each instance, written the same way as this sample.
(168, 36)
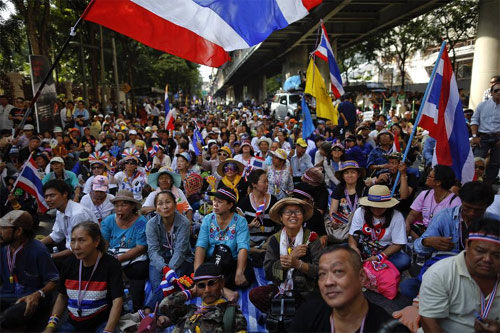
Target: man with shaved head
(342, 306)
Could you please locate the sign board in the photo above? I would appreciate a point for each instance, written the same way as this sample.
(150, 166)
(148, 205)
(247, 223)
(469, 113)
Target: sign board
(45, 106)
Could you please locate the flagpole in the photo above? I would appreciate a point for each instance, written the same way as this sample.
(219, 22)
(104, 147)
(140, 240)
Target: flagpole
(419, 114)
(72, 34)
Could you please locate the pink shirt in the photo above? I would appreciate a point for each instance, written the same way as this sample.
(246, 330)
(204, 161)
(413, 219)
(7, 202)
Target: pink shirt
(427, 205)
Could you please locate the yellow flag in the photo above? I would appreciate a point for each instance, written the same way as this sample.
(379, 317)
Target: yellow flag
(315, 85)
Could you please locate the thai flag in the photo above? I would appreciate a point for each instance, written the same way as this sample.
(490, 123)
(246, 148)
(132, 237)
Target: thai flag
(258, 162)
(152, 151)
(169, 116)
(29, 181)
(443, 116)
(260, 210)
(324, 52)
(202, 31)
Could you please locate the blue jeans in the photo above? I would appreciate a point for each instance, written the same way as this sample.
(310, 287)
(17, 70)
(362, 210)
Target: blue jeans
(410, 287)
(68, 327)
(401, 260)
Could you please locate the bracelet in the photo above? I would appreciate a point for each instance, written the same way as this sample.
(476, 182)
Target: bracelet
(16, 206)
(51, 325)
(381, 256)
(300, 266)
(53, 320)
(188, 294)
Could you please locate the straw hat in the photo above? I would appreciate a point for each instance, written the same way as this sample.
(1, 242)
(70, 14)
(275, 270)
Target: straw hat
(220, 168)
(280, 153)
(126, 195)
(379, 196)
(227, 150)
(350, 165)
(274, 214)
(153, 178)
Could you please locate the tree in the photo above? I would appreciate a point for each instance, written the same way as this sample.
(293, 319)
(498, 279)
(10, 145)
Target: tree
(36, 14)
(349, 59)
(455, 22)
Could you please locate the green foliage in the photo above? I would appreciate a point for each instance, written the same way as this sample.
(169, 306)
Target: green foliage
(273, 84)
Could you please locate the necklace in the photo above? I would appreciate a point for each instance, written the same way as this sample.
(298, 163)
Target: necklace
(11, 261)
(352, 206)
(486, 306)
(81, 293)
(433, 209)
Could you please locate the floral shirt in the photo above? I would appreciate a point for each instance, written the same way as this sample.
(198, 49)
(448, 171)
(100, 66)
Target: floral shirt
(236, 235)
(280, 182)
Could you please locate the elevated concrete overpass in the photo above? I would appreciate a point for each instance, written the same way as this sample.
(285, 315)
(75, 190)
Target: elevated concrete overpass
(348, 22)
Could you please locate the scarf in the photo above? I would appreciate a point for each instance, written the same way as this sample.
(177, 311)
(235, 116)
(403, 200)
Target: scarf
(285, 249)
(232, 185)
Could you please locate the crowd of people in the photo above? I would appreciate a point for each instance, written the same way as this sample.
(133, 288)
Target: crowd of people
(193, 211)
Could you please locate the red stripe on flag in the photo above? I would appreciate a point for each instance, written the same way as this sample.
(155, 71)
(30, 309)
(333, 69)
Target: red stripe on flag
(311, 4)
(443, 152)
(142, 25)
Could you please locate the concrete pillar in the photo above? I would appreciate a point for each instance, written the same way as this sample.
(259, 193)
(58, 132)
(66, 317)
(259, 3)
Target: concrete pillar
(262, 88)
(68, 86)
(230, 94)
(16, 82)
(238, 93)
(486, 61)
(295, 61)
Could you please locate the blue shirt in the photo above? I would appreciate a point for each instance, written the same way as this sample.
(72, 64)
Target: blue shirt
(377, 156)
(124, 238)
(300, 165)
(428, 152)
(446, 223)
(236, 235)
(33, 269)
(69, 177)
(487, 117)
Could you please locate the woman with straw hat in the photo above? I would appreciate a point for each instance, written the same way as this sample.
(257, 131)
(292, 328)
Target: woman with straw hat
(292, 255)
(231, 172)
(345, 197)
(377, 221)
(279, 175)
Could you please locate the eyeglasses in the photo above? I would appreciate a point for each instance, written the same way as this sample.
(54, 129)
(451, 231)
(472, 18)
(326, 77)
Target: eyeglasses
(203, 285)
(97, 167)
(480, 167)
(496, 91)
(223, 154)
(230, 167)
(289, 212)
(131, 162)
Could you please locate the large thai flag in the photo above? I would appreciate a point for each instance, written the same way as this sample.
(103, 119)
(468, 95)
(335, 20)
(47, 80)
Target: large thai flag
(202, 31)
(324, 52)
(169, 115)
(443, 116)
(29, 181)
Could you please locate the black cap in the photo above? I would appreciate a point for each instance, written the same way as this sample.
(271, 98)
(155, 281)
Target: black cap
(207, 270)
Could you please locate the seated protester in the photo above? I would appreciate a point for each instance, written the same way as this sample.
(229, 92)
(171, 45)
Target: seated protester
(264, 143)
(314, 177)
(167, 235)
(246, 156)
(185, 166)
(125, 232)
(58, 172)
(91, 285)
(212, 164)
(405, 189)
(99, 200)
(131, 178)
(305, 192)
(345, 197)
(378, 221)
(430, 202)
(447, 229)
(354, 152)
(69, 213)
(459, 294)
(278, 175)
(98, 165)
(27, 274)
(300, 161)
(256, 206)
(231, 172)
(332, 163)
(16, 198)
(376, 159)
(292, 255)
(343, 306)
(166, 180)
(161, 159)
(224, 239)
(211, 316)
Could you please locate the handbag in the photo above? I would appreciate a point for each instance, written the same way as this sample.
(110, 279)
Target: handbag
(340, 230)
(117, 251)
(382, 277)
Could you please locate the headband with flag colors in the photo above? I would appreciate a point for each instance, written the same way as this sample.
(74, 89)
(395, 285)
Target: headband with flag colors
(98, 157)
(202, 31)
(130, 153)
(484, 237)
(324, 51)
(169, 115)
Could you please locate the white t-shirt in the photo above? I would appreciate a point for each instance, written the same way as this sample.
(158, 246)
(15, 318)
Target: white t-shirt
(394, 234)
(103, 210)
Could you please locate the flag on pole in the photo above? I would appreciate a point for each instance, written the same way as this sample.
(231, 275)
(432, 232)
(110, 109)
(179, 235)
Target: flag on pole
(197, 137)
(169, 115)
(315, 86)
(324, 51)
(307, 124)
(202, 31)
(442, 115)
(260, 209)
(29, 181)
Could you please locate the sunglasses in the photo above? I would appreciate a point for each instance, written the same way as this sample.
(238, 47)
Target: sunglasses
(97, 167)
(223, 154)
(496, 91)
(230, 167)
(203, 285)
(131, 162)
(480, 167)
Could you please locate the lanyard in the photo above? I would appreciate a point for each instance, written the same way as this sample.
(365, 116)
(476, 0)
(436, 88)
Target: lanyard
(361, 329)
(461, 237)
(348, 198)
(11, 261)
(170, 240)
(486, 306)
(81, 293)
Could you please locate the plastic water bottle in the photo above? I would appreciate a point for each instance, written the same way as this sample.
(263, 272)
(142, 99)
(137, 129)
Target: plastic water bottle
(128, 306)
(54, 249)
(197, 216)
(410, 247)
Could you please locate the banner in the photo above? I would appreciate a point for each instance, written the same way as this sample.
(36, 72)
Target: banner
(46, 106)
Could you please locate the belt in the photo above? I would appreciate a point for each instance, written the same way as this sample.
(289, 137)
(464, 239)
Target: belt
(489, 134)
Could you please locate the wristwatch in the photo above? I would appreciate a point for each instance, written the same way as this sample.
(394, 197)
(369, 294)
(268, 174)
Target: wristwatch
(474, 135)
(42, 294)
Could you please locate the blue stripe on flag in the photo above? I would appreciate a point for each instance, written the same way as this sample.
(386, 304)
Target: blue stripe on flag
(253, 20)
(459, 141)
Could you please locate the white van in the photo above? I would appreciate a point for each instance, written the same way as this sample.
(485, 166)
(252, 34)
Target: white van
(284, 104)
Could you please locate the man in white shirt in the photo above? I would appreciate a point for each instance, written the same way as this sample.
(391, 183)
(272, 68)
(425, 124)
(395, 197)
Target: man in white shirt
(99, 200)
(69, 214)
(5, 108)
